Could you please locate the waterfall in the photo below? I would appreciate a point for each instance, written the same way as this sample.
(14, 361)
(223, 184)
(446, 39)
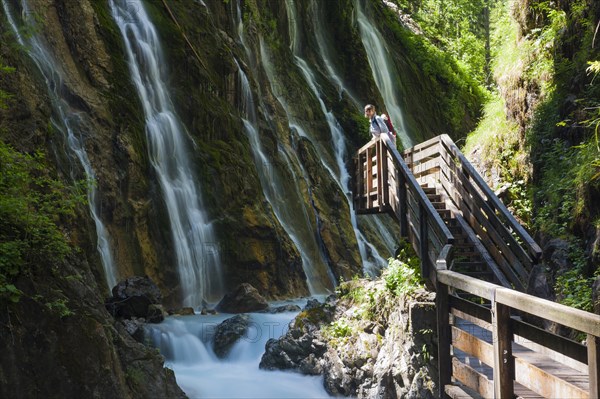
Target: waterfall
(186, 343)
(284, 195)
(196, 248)
(383, 70)
(286, 201)
(70, 123)
(366, 249)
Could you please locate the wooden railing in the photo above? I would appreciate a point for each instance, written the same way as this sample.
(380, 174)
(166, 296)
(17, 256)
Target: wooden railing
(478, 319)
(440, 163)
(523, 358)
(385, 184)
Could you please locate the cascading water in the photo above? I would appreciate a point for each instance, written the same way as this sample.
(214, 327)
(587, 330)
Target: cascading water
(187, 344)
(366, 249)
(286, 202)
(384, 73)
(196, 248)
(70, 123)
(286, 199)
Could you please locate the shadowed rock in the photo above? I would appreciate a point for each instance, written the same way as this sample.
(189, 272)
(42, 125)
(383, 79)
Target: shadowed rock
(245, 298)
(132, 298)
(228, 332)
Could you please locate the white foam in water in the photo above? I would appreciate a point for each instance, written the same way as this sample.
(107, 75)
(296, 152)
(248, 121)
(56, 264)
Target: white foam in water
(186, 343)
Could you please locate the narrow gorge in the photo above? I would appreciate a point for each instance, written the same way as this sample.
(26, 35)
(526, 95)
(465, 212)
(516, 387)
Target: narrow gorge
(162, 158)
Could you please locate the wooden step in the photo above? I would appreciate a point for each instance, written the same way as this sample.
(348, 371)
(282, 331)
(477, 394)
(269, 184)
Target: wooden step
(429, 190)
(434, 197)
(439, 205)
(444, 213)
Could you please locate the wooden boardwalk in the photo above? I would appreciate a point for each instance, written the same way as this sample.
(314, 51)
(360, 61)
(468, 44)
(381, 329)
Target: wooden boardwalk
(478, 258)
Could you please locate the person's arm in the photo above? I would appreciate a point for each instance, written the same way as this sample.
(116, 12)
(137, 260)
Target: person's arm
(382, 126)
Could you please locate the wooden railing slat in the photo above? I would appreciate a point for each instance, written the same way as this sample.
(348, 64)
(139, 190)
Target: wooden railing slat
(472, 378)
(593, 346)
(534, 248)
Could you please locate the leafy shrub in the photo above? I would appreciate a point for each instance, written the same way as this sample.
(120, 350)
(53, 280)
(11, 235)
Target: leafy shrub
(403, 275)
(31, 206)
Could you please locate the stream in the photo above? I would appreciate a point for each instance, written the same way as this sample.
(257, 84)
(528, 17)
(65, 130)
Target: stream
(186, 343)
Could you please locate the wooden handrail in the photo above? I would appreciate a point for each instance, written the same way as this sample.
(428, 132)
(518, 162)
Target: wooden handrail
(416, 187)
(533, 247)
(567, 316)
(426, 226)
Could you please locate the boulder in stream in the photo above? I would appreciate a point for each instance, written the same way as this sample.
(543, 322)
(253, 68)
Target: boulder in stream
(245, 298)
(228, 332)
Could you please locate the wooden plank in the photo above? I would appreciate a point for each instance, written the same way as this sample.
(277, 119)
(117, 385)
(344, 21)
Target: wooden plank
(473, 346)
(428, 143)
(472, 378)
(414, 186)
(430, 151)
(533, 247)
(369, 170)
(580, 320)
(423, 237)
(528, 334)
(539, 380)
(467, 190)
(482, 250)
(384, 175)
(379, 177)
(471, 312)
(504, 368)
(455, 392)
(402, 195)
(482, 218)
(497, 247)
(593, 346)
(444, 337)
(468, 284)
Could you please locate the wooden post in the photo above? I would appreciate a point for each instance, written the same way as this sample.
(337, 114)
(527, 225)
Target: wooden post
(378, 145)
(384, 178)
(444, 337)
(369, 176)
(423, 240)
(504, 364)
(402, 198)
(593, 350)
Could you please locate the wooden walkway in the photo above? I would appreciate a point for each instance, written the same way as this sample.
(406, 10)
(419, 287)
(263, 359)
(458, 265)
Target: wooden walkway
(478, 258)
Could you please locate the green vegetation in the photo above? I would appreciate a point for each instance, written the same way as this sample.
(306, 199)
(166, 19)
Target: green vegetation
(370, 302)
(457, 91)
(32, 204)
(403, 276)
(539, 133)
(458, 27)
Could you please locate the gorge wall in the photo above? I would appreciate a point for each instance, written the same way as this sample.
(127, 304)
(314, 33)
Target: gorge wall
(269, 95)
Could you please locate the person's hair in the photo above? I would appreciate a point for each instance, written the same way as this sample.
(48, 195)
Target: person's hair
(369, 107)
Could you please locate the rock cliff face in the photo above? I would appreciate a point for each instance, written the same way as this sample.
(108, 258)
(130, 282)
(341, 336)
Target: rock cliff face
(203, 45)
(305, 77)
(366, 343)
